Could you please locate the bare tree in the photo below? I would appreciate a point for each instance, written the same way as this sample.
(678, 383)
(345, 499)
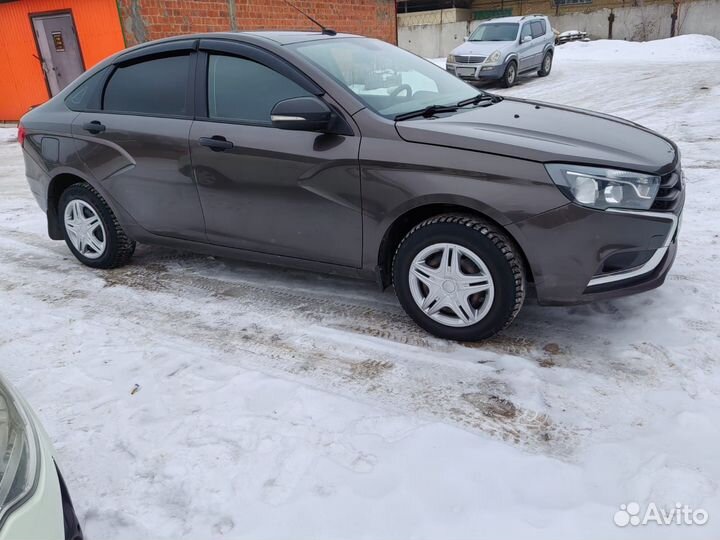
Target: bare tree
(646, 29)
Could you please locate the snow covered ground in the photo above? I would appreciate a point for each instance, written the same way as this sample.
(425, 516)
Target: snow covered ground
(279, 404)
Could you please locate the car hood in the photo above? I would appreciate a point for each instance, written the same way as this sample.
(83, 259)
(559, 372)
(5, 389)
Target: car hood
(483, 48)
(546, 133)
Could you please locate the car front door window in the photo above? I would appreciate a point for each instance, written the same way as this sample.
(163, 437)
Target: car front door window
(526, 32)
(291, 193)
(241, 90)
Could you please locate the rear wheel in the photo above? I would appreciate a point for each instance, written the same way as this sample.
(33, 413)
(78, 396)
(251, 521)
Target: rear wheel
(546, 65)
(510, 76)
(91, 230)
(459, 277)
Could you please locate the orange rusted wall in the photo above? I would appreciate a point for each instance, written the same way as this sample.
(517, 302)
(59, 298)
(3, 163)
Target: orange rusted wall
(22, 82)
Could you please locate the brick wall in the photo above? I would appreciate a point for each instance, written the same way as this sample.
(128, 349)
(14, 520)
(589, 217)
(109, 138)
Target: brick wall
(145, 20)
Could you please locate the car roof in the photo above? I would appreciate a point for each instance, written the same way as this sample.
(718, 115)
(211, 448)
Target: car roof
(281, 37)
(515, 19)
(291, 36)
(277, 38)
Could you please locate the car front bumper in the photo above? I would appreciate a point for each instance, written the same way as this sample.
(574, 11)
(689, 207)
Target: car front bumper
(476, 72)
(578, 255)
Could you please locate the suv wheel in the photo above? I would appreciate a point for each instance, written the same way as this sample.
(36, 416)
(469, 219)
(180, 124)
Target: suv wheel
(459, 278)
(91, 230)
(510, 75)
(546, 65)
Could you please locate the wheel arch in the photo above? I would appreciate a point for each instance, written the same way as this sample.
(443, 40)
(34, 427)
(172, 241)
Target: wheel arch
(411, 217)
(59, 183)
(512, 57)
(64, 179)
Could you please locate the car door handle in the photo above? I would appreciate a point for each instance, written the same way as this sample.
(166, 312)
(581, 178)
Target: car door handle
(94, 127)
(216, 143)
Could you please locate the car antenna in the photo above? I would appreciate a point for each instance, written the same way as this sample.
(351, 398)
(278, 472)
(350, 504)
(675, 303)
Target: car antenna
(326, 31)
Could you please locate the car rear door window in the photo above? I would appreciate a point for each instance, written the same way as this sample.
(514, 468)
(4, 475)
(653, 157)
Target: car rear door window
(242, 90)
(87, 95)
(538, 29)
(151, 87)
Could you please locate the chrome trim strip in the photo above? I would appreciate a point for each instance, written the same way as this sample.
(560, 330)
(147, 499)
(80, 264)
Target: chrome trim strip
(654, 261)
(283, 118)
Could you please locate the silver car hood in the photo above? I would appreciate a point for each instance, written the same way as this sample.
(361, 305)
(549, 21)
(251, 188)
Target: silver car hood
(546, 133)
(482, 48)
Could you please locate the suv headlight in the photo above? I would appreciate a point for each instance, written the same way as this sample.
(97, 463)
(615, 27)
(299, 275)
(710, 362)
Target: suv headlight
(450, 59)
(19, 464)
(605, 188)
(494, 58)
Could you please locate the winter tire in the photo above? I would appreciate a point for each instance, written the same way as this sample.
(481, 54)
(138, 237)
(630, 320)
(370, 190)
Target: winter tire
(510, 76)
(546, 65)
(459, 277)
(91, 230)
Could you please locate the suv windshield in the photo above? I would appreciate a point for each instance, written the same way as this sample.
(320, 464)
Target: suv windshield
(389, 80)
(495, 32)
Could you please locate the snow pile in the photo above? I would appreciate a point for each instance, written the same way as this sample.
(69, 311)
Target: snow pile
(690, 48)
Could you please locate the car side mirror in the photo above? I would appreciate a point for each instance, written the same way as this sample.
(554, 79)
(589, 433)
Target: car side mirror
(525, 39)
(302, 114)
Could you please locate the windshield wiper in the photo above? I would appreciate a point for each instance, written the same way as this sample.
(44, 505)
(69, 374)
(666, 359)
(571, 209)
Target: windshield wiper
(427, 112)
(492, 98)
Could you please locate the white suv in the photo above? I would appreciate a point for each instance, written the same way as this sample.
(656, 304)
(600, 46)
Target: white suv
(504, 48)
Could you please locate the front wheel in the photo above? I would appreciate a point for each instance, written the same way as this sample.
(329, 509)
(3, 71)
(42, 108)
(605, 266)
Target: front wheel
(459, 277)
(92, 231)
(510, 75)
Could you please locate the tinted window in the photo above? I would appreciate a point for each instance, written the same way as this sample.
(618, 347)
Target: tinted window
(156, 86)
(526, 31)
(538, 29)
(245, 91)
(87, 95)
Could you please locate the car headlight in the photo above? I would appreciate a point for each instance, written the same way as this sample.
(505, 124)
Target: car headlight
(450, 59)
(605, 188)
(19, 463)
(494, 58)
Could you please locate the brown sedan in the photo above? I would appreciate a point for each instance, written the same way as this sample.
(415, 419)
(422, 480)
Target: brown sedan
(345, 154)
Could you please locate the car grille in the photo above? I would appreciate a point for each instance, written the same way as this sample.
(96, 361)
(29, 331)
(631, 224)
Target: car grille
(668, 196)
(469, 59)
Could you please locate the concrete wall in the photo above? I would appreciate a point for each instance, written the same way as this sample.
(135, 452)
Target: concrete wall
(634, 24)
(640, 23)
(432, 40)
(647, 22)
(435, 16)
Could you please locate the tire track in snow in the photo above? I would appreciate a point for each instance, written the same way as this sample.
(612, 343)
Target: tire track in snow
(390, 361)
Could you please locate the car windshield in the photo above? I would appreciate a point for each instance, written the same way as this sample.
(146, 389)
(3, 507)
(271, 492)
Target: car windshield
(495, 32)
(389, 80)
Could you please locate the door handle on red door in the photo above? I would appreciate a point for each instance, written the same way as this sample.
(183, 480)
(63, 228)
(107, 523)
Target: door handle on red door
(94, 127)
(216, 143)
